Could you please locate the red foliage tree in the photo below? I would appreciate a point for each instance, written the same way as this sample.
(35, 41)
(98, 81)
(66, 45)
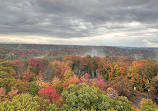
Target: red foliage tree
(85, 79)
(49, 93)
(86, 64)
(99, 82)
(35, 62)
(35, 65)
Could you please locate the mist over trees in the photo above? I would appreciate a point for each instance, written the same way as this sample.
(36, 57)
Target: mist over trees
(24, 51)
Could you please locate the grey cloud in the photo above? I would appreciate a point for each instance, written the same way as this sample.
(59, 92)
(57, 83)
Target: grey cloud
(81, 18)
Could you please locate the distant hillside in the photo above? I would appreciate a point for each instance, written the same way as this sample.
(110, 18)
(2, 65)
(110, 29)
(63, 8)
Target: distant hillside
(14, 51)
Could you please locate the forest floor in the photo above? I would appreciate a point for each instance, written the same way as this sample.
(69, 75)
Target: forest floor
(135, 100)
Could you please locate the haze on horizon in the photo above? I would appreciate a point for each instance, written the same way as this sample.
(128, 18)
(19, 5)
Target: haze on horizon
(80, 22)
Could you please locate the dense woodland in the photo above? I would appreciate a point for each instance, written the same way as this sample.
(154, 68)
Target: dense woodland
(24, 51)
(75, 83)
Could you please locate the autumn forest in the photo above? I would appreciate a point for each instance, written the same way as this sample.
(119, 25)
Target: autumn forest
(72, 82)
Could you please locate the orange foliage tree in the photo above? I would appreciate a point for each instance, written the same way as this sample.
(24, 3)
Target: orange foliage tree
(71, 80)
(141, 72)
(9, 95)
(59, 68)
(41, 84)
(104, 68)
(117, 69)
(76, 64)
(57, 84)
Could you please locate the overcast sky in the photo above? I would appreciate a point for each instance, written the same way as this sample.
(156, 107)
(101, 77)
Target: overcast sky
(80, 22)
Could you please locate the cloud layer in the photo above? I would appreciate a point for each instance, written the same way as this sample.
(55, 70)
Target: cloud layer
(85, 22)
